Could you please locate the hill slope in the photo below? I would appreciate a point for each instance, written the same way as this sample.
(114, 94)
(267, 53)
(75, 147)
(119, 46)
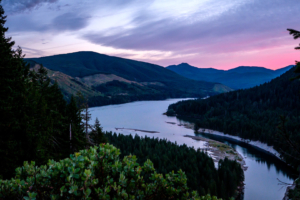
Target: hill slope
(118, 80)
(238, 78)
(252, 114)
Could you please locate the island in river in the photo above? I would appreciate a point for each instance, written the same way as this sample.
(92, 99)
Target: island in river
(216, 150)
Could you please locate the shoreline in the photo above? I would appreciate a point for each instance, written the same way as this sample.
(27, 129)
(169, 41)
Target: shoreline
(220, 150)
(256, 144)
(216, 150)
(288, 188)
(145, 131)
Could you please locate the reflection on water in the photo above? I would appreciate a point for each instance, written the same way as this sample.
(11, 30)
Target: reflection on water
(263, 169)
(253, 153)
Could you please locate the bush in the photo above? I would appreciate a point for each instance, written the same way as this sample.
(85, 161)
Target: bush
(96, 173)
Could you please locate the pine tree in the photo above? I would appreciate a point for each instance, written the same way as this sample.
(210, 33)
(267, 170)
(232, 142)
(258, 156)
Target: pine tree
(82, 103)
(77, 135)
(97, 134)
(35, 119)
(14, 78)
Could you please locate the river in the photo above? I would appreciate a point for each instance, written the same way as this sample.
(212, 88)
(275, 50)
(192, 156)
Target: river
(264, 170)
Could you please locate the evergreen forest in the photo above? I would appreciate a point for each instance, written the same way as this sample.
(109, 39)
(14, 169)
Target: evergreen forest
(263, 113)
(35, 119)
(199, 168)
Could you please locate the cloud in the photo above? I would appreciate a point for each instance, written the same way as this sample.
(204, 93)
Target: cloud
(61, 23)
(17, 6)
(157, 31)
(241, 27)
(59, 16)
(33, 52)
(70, 22)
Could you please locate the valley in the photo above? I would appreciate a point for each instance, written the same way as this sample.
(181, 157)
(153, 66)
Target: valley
(262, 171)
(107, 88)
(94, 104)
(111, 80)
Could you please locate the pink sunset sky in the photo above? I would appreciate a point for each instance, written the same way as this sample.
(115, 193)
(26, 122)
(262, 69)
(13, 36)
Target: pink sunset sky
(221, 34)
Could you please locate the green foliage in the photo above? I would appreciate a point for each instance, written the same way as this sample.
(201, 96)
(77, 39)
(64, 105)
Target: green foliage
(198, 166)
(97, 173)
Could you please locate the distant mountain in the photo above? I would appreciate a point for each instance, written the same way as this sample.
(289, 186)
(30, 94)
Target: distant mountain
(107, 79)
(238, 78)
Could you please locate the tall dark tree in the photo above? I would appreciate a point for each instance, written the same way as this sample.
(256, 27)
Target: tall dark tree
(97, 135)
(287, 135)
(296, 35)
(14, 79)
(35, 119)
(77, 136)
(294, 144)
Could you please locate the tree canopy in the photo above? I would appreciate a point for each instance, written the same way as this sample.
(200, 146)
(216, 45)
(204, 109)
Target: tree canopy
(35, 118)
(199, 168)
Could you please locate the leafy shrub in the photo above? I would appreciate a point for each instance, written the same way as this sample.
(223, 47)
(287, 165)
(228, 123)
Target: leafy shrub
(96, 173)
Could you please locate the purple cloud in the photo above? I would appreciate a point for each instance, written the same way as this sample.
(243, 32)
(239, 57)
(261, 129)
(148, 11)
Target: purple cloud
(16, 6)
(245, 27)
(70, 22)
(64, 22)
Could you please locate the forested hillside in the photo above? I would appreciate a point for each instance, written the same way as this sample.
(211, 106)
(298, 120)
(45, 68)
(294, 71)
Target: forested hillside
(112, 80)
(253, 114)
(197, 165)
(237, 78)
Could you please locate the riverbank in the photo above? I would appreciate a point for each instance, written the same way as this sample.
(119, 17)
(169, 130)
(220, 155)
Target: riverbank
(291, 187)
(259, 145)
(216, 150)
(256, 144)
(220, 151)
(132, 129)
(263, 170)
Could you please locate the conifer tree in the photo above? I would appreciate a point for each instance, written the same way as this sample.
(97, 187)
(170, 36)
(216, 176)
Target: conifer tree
(82, 103)
(97, 134)
(13, 93)
(77, 137)
(35, 119)
(296, 35)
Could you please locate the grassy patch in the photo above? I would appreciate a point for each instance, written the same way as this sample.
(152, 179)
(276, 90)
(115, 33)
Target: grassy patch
(222, 147)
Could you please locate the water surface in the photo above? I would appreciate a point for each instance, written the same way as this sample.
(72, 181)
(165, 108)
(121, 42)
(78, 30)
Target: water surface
(263, 172)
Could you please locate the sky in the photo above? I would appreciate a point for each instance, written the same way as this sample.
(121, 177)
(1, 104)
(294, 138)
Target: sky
(221, 34)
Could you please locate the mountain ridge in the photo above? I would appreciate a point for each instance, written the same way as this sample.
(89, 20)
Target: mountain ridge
(122, 79)
(241, 77)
